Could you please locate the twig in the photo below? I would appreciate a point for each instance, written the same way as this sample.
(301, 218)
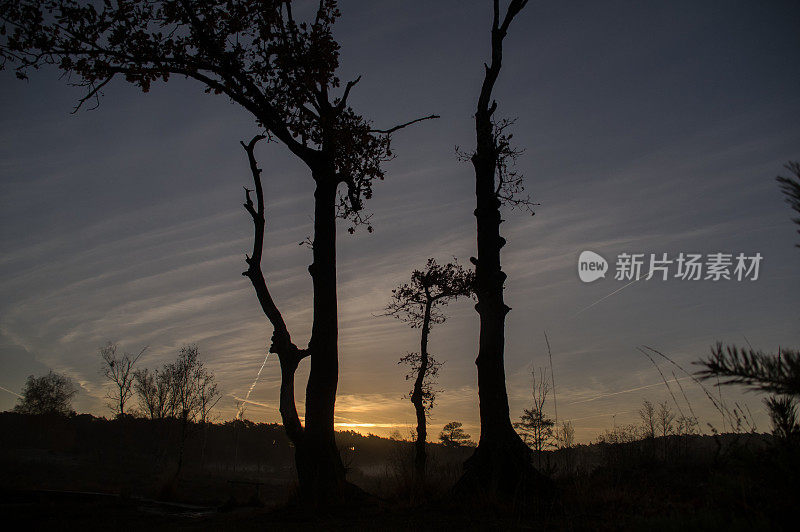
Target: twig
(93, 93)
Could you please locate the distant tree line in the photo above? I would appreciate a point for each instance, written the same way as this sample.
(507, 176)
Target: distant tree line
(183, 389)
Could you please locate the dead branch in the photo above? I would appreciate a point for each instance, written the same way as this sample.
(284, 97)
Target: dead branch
(347, 89)
(401, 126)
(288, 353)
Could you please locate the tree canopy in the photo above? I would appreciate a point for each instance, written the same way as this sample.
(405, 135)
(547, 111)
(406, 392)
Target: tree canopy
(255, 52)
(436, 285)
(48, 394)
(453, 435)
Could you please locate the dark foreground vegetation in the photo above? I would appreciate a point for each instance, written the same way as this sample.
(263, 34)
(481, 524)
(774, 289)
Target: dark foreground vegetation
(95, 473)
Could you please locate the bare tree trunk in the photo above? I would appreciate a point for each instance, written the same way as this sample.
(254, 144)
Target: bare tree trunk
(319, 465)
(502, 461)
(417, 399)
(501, 464)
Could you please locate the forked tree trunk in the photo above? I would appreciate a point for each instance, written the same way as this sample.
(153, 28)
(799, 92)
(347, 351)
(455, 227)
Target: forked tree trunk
(319, 467)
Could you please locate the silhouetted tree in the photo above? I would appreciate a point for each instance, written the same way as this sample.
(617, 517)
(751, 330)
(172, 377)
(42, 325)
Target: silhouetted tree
(420, 303)
(783, 417)
(193, 393)
(686, 425)
(209, 396)
(665, 419)
(566, 435)
(453, 435)
(281, 71)
(48, 394)
(648, 415)
(534, 426)
(770, 373)
(187, 373)
(154, 392)
(184, 390)
(777, 374)
(790, 186)
(118, 369)
(502, 462)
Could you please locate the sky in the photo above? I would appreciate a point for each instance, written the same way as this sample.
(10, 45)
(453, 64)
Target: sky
(647, 128)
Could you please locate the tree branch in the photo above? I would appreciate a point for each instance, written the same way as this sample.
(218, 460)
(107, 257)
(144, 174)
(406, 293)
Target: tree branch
(253, 271)
(401, 126)
(499, 31)
(513, 9)
(347, 89)
(288, 353)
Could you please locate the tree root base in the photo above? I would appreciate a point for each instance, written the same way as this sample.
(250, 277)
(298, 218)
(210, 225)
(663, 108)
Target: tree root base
(502, 474)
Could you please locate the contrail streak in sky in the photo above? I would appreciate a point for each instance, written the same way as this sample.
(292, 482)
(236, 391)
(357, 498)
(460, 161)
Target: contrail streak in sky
(603, 415)
(249, 402)
(602, 298)
(9, 391)
(601, 396)
(247, 397)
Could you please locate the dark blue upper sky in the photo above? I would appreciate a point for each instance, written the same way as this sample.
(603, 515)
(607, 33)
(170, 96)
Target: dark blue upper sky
(647, 127)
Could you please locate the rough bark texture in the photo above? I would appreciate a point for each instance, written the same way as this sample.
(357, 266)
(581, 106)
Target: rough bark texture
(501, 464)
